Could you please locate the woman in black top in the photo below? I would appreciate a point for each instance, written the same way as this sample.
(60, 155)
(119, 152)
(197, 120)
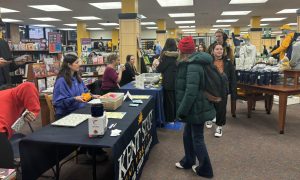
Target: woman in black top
(130, 71)
(167, 67)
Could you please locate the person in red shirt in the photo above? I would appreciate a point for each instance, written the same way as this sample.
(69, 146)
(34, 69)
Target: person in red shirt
(14, 102)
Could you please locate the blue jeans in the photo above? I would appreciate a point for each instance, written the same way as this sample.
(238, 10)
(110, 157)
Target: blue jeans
(194, 146)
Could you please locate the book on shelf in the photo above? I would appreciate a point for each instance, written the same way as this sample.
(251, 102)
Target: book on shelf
(7, 174)
(39, 70)
(52, 66)
(41, 84)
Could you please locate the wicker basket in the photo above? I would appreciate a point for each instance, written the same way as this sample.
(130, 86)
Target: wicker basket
(110, 103)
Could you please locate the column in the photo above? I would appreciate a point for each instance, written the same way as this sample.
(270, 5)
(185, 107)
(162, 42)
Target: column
(130, 30)
(256, 33)
(81, 33)
(298, 20)
(161, 33)
(115, 39)
(172, 33)
(14, 33)
(237, 31)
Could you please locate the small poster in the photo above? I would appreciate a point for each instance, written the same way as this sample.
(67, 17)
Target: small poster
(86, 45)
(55, 45)
(139, 81)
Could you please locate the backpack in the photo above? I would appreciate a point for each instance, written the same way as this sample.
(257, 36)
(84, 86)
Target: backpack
(214, 85)
(290, 48)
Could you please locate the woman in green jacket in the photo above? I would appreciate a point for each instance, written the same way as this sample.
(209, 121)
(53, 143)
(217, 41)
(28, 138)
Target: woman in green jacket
(192, 107)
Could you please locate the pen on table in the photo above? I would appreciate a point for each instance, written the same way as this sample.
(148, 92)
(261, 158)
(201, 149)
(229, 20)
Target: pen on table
(115, 125)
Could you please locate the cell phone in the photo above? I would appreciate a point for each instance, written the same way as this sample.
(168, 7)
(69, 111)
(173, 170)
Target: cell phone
(133, 105)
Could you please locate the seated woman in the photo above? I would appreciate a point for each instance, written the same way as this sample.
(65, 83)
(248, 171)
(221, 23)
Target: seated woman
(68, 88)
(111, 78)
(130, 71)
(14, 102)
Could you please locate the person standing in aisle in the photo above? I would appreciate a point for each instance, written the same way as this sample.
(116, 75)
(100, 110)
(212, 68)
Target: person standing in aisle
(7, 63)
(111, 78)
(167, 67)
(130, 71)
(14, 102)
(193, 108)
(221, 38)
(227, 71)
(202, 47)
(158, 48)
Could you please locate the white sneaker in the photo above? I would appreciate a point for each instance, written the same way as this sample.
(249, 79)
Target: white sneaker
(194, 168)
(219, 131)
(214, 120)
(178, 165)
(208, 124)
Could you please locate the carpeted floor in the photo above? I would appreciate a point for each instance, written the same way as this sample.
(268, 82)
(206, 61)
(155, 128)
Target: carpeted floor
(250, 149)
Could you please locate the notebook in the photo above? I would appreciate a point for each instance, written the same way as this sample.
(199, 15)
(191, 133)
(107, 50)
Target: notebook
(71, 120)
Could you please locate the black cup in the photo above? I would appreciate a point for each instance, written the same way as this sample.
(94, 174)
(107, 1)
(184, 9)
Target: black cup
(260, 79)
(274, 78)
(267, 78)
(253, 77)
(97, 110)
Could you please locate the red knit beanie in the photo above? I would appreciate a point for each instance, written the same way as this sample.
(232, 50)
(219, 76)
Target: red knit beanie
(186, 45)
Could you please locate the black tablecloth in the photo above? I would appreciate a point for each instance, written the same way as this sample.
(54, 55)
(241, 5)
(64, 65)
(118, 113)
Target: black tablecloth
(41, 150)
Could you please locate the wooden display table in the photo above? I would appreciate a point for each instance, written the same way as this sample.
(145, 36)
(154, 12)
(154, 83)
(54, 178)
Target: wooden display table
(292, 74)
(282, 91)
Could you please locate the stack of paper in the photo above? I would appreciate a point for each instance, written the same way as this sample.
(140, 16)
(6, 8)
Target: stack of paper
(71, 120)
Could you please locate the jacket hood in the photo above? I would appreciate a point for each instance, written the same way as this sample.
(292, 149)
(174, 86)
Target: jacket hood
(171, 53)
(201, 58)
(250, 48)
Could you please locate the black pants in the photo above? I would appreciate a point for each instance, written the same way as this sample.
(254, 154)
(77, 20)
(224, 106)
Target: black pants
(169, 105)
(221, 112)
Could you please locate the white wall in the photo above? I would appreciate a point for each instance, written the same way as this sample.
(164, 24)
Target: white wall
(146, 34)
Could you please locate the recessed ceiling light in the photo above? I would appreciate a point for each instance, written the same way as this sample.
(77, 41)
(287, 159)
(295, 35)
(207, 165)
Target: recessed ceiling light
(107, 5)
(247, 1)
(46, 19)
(43, 25)
(226, 20)
(10, 20)
(186, 26)
(92, 29)
(5, 10)
(109, 24)
(170, 3)
(272, 19)
(72, 25)
(223, 25)
(260, 25)
(148, 23)
(152, 27)
(287, 11)
(188, 29)
(293, 24)
(87, 18)
(50, 7)
(233, 13)
(67, 29)
(143, 17)
(182, 14)
(184, 22)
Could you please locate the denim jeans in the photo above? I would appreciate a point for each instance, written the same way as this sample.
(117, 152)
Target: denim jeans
(194, 146)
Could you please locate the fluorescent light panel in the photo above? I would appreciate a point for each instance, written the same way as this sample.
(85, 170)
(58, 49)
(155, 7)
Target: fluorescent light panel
(186, 27)
(233, 13)
(182, 14)
(287, 11)
(247, 1)
(273, 19)
(213, 29)
(276, 32)
(87, 18)
(148, 23)
(7, 20)
(184, 22)
(293, 24)
(171, 3)
(67, 29)
(223, 25)
(6, 10)
(260, 25)
(143, 17)
(93, 29)
(43, 25)
(109, 24)
(50, 8)
(72, 25)
(107, 5)
(152, 27)
(45, 19)
(226, 20)
(191, 32)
